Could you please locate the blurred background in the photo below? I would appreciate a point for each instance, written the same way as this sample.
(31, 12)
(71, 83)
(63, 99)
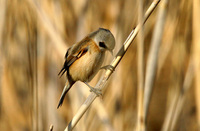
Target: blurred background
(35, 35)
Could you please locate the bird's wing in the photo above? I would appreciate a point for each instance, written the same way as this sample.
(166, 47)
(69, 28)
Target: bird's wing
(71, 58)
(72, 55)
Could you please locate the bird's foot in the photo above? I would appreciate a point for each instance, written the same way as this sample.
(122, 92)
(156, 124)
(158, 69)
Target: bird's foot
(95, 90)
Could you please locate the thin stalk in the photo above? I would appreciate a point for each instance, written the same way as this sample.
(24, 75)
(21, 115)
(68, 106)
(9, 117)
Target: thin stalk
(196, 53)
(153, 56)
(140, 93)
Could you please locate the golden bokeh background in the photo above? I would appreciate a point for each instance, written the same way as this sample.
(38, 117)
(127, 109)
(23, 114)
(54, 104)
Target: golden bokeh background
(34, 36)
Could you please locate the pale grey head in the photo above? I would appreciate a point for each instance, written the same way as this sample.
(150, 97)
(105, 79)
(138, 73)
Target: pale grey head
(104, 39)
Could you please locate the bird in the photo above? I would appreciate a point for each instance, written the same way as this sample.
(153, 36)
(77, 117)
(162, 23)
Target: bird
(84, 59)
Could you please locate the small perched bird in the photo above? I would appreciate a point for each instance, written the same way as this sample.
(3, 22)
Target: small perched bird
(84, 59)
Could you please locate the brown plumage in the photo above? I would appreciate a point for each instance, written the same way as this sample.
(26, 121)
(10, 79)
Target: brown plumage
(84, 59)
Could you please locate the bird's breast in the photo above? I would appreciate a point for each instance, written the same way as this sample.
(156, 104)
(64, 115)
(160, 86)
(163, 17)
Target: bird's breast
(85, 68)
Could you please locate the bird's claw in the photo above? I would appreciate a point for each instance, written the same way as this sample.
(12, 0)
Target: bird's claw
(96, 91)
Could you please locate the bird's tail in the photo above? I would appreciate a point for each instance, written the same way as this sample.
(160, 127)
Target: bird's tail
(64, 92)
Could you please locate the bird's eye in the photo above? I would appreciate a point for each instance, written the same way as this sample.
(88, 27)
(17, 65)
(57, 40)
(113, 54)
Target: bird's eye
(102, 44)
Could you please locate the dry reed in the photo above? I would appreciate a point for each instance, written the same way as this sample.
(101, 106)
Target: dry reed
(34, 36)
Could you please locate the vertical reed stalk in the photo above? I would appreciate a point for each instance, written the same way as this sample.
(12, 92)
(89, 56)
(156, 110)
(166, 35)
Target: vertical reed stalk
(196, 53)
(2, 16)
(140, 93)
(153, 56)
